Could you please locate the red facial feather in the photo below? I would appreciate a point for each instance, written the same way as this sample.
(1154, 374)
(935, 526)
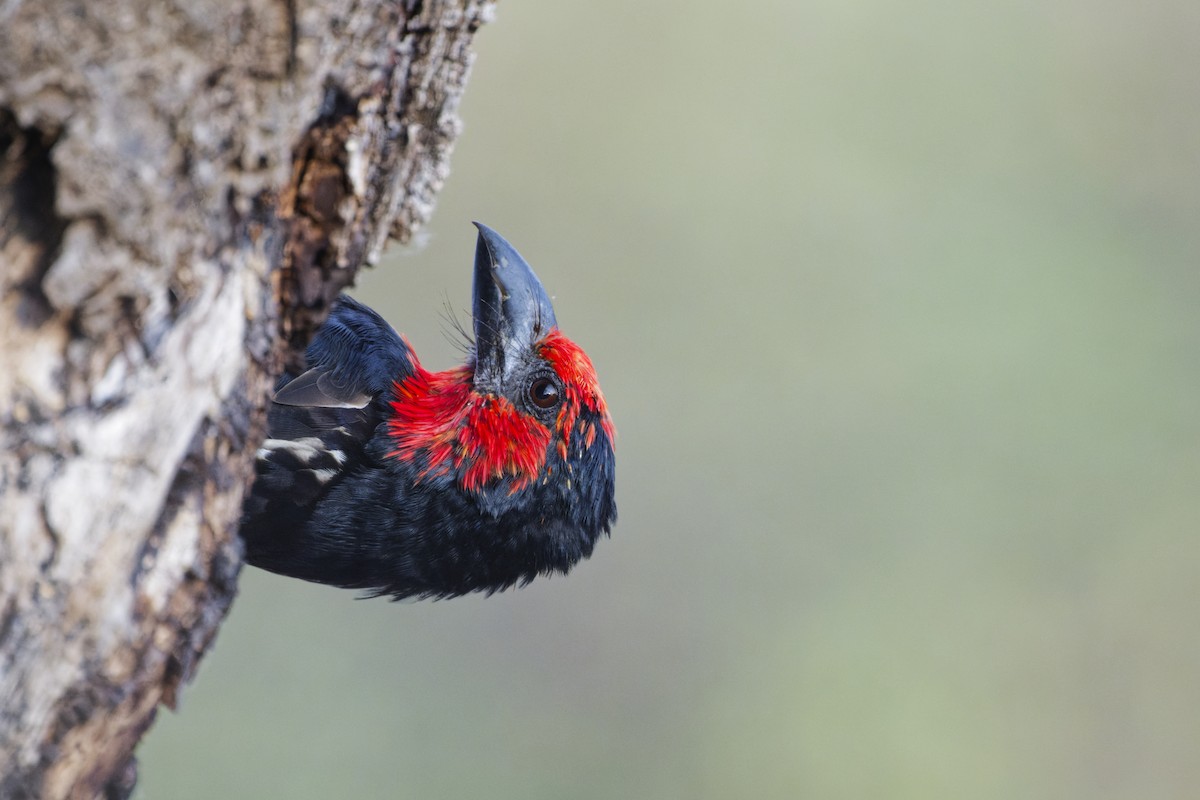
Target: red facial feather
(439, 414)
(579, 382)
(427, 415)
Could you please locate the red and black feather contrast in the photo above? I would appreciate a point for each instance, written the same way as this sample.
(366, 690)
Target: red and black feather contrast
(382, 476)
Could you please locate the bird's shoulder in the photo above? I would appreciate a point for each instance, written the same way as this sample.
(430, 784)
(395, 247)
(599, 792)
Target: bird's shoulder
(354, 358)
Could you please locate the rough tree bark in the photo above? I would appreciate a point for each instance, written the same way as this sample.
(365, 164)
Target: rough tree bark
(184, 186)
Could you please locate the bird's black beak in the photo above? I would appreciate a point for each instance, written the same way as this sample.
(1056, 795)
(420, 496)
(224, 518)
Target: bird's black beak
(512, 311)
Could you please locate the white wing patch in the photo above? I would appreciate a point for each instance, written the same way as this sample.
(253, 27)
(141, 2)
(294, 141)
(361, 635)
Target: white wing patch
(306, 450)
(325, 475)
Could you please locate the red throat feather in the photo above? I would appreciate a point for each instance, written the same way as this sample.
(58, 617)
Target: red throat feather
(440, 415)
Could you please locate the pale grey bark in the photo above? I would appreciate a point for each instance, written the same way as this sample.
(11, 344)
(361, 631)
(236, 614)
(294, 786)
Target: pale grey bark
(184, 185)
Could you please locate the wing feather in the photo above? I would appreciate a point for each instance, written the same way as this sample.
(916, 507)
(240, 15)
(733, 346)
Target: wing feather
(319, 388)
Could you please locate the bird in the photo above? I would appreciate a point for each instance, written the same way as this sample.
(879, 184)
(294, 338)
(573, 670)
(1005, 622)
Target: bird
(379, 475)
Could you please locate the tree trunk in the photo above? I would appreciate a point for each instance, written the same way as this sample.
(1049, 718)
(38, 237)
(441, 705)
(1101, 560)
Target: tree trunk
(184, 186)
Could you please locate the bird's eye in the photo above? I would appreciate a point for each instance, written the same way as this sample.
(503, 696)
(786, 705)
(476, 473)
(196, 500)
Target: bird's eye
(544, 393)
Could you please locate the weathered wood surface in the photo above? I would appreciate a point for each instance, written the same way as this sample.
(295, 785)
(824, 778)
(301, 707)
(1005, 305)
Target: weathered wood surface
(184, 185)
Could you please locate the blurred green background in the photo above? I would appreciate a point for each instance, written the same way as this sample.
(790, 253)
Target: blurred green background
(897, 307)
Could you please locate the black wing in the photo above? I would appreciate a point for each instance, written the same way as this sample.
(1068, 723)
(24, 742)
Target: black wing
(355, 357)
(322, 420)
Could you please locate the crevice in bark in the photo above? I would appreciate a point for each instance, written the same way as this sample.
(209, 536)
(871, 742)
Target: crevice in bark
(28, 171)
(312, 206)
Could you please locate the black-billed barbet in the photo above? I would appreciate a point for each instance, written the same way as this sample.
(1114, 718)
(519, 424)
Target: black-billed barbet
(380, 475)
